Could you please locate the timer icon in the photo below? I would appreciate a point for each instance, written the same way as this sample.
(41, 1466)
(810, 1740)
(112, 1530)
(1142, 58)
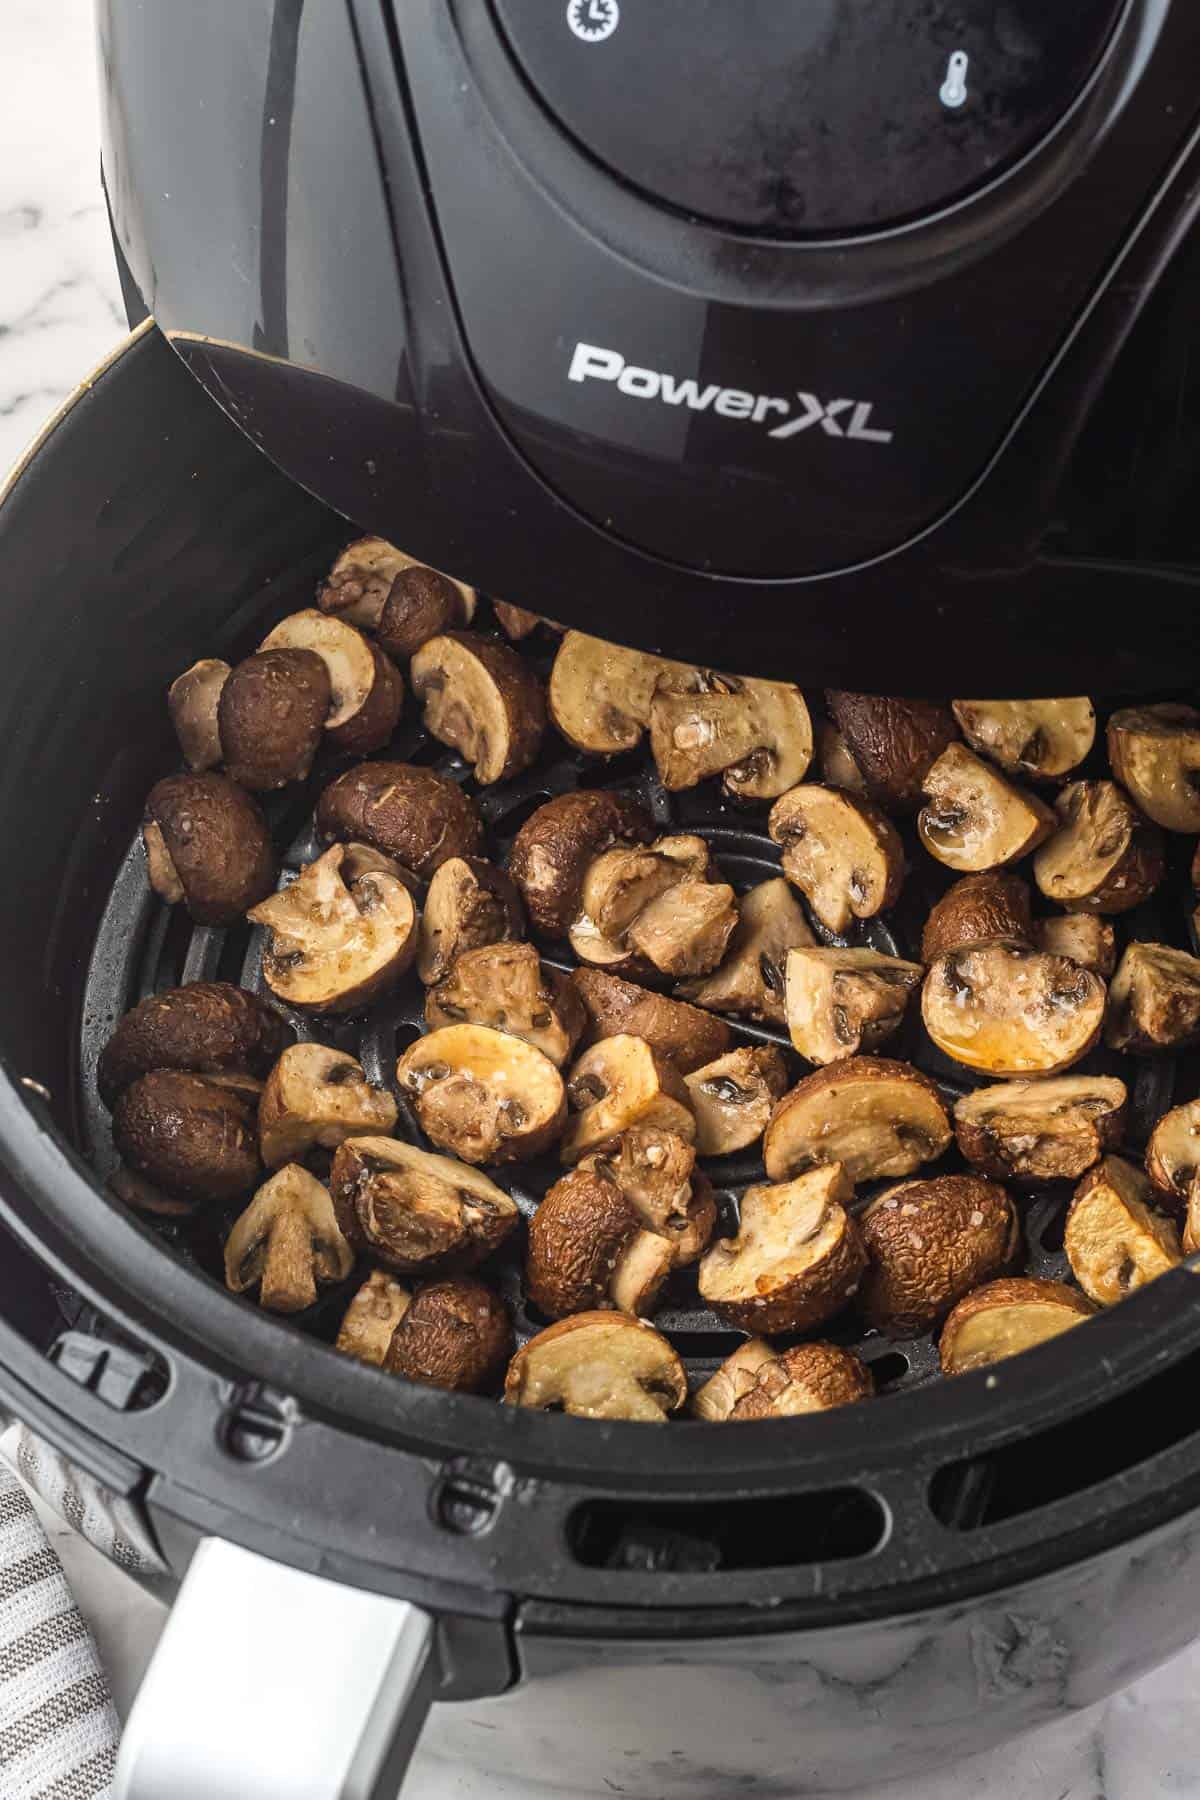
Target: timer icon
(593, 20)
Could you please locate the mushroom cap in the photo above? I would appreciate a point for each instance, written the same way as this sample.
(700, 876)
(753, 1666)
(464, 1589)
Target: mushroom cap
(929, 1243)
(757, 734)
(894, 743)
(749, 981)
(841, 1002)
(599, 1365)
(207, 1027)
(994, 903)
(1154, 1000)
(272, 715)
(620, 1082)
(287, 1243)
(736, 1377)
(600, 693)
(362, 578)
(1084, 937)
(188, 1135)
(315, 1095)
(974, 818)
(483, 1094)
(370, 1320)
(416, 1212)
(413, 814)
(808, 1378)
(682, 1034)
(1155, 753)
(577, 1238)
(470, 903)
(876, 1117)
(333, 948)
(1008, 1009)
(734, 1097)
(656, 1171)
(557, 844)
(1042, 738)
(1047, 1130)
(1105, 857)
(420, 604)
(506, 986)
(1114, 1240)
(192, 701)
(483, 700)
(796, 1261)
(840, 851)
(1173, 1154)
(217, 844)
(455, 1335)
(366, 690)
(1005, 1317)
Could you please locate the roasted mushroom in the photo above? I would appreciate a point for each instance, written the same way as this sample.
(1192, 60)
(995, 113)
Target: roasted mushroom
(371, 1319)
(1154, 1000)
(685, 931)
(841, 1002)
(207, 1028)
(363, 576)
(735, 1378)
(413, 814)
(618, 1083)
(315, 1095)
(470, 903)
(1084, 937)
(619, 885)
(1155, 753)
(599, 1365)
(1115, 1241)
(876, 1117)
(1104, 857)
(333, 948)
(449, 1334)
(656, 1171)
(1005, 1317)
(482, 700)
(484, 1095)
(1173, 1156)
(835, 761)
(974, 818)
(654, 907)
(207, 844)
(683, 1034)
(366, 689)
(514, 621)
(1034, 1131)
(415, 1212)
(749, 981)
(192, 702)
(588, 1248)
(806, 1379)
(976, 909)
(287, 1243)
(893, 743)
(1007, 1009)
(421, 604)
(757, 735)
(928, 1244)
(600, 693)
(557, 845)
(734, 1097)
(191, 1136)
(507, 987)
(840, 851)
(271, 716)
(1043, 738)
(797, 1258)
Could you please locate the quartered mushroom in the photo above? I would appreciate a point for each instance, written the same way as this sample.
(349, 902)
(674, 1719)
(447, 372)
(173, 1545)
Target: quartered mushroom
(757, 735)
(507, 987)
(734, 1097)
(618, 1083)
(1044, 738)
(1115, 1241)
(619, 885)
(1173, 1156)
(588, 1248)
(805, 1379)
(415, 1212)
(929, 1243)
(1007, 1009)
(654, 907)
(484, 1095)
(685, 1035)
(876, 1117)
(470, 903)
(208, 845)
(1005, 1317)
(1154, 1000)
(977, 908)
(599, 1365)
(370, 1321)
(419, 817)
(835, 760)
(840, 851)
(1034, 1131)
(1155, 753)
(797, 1259)
(976, 819)
(192, 701)
(190, 1136)
(335, 947)
(1104, 857)
(600, 693)
(1084, 937)
(206, 1028)
(686, 930)
(515, 621)
(271, 717)
(366, 689)
(893, 743)
(422, 604)
(841, 1002)
(718, 1397)
(362, 578)
(315, 1095)
(455, 1334)
(749, 981)
(656, 1171)
(557, 845)
(483, 700)
(287, 1243)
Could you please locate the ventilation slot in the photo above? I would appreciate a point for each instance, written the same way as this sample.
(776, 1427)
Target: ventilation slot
(683, 1537)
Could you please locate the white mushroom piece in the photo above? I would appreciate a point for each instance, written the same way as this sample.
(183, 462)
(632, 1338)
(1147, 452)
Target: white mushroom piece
(481, 699)
(656, 1171)
(757, 735)
(192, 701)
(415, 1212)
(507, 987)
(797, 1259)
(1115, 1241)
(1154, 1000)
(1041, 738)
(334, 947)
(840, 851)
(621, 1082)
(876, 1117)
(1084, 937)
(749, 980)
(757, 1382)
(654, 906)
(483, 1095)
(599, 1365)
(588, 1248)
(1006, 1317)
(1104, 857)
(1007, 1009)
(470, 903)
(366, 689)
(1173, 1161)
(315, 1095)
(600, 693)
(843, 1002)
(975, 819)
(287, 1243)
(734, 1097)
(1155, 753)
(1047, 1130)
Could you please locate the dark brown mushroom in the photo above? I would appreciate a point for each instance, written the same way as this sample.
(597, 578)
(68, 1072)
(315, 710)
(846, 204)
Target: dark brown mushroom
(557, 845)
(514, 621)
(419, 817)
(507, 987)
(929, 1242)
(1104, 857)
(207, 1028)
(192, 701)
(208, 845)
(683, 1034)
(362, 578)
(483, 700)
(287, 1243)
(840, 851)
(797, 1259)
(188, 1135)
(366, 689)
(894, 743)
(272, 716)
(455, 1335)
(588, 1248)
(805, 1379)
(415, 1212)
(1006, 1317)
(992, 904)
(421, 604)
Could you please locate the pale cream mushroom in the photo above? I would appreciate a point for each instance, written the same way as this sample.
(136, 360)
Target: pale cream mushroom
(1044, 738)
(1173, 1155)
(416, 1212)
(686, 930)
(335, 947)
(588, 1248)
(470, 903)
(734, 1097)
(360, 581)
(484, 1095)
(1154, 1000)
(656, 1171)
(797, 1259)
(366, 689)
(756, 734)
(557, 845)
(1114, 1240)
(371, 1319)
(482, 700)
(654, 907)
(620, 884)
(1155, 753)
(841, 1002)
(749, 981)
(1048, 1130)
(315, 1095)
(1007, 1009)
(1006, 1317)
(287, 1243)
(840, 851)
(735, 1378)
(618, 1083)
(876, 1117)
(835, 760)
(507, 987)
(599, 1365)
(1084, 937)
(192, 701)
(1104, 857)
(600, 693)
(974, 818)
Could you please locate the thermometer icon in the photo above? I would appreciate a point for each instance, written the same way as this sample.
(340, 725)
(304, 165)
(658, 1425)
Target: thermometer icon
(953, 90)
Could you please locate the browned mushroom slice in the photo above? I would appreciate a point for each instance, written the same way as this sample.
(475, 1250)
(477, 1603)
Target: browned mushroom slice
(416, 1212)
(876, 1117)
(656, 1171)
(757, 734)
(558, 844)
(207, 844)
(315, 1095)
(506, 986)
(366, 691)
(1049, 1130)
(271, 716)
(1029, 737)
(192, 702)
(1173, 1154)
(363, 576)
(840, 851)
(841, 1002)
(1084, 937)
(287, 1243)
(1005, 1317)
(1155, 753)
(797, 1258)
(806, 1379)
(421, 604)
(599, 1365)
(1007, 1009)
(189, 1136)
(455, 1335)
(482, 700)
(974, 818)
(684, 1034)
(588, 1249)
(514, 621)
(735, 1378)
(1191, 1223)
(734, 1097)
(600, 693)
(470, 903)
(685, 931)
(484, 1095)
(618, 1083)
(1154, 1000)
(1115, 1242)
(976, 909)
(836, 762)
(929, 1243)
(333, 948)
(619, 885)
(371, 1318)
(894, 743)
(419, 817)
(1105, 857)
(207, 1028)
(750, 979)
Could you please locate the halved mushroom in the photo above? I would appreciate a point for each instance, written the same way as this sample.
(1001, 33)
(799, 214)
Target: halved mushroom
(974, 818)
(333, 948)
(750, 979)
(588, 1248)
(190, 1136)
(1044, 738)
(371, 1319)
(207, 844)
(483, 700)
(484, 1095)
(1007, 1009)
(618, 1083)
(455, 1335)
(976, 909)
(840, 851)
(514, 621)
(315, 1095)
(894, 743)
(797, 1259)
(470, 903)
(557, 845)
(735, 1378)
(1084, 937)
(421, 604)
(366, 689)
(600, 693)
(1154, 1000)
(271, 716)
(415, 1212)
(287, 1243)
(1034, 1131)
(835, 760)
(874, 1116)
(207, 1028)
(734, 1097)
(1155, 753)
(1005, 1317)
(363, 576)
(656, 1171)
(192, 701)
(756, 734)
(683, 1034)
(929, 1243)
(841, 1002)
(1114, 1240)
(806, 1379)
(618, 886)
(507, 987)
(685, 931)
(1173, 1155)
(599, 1365)
(1105, 857)
(419, 817)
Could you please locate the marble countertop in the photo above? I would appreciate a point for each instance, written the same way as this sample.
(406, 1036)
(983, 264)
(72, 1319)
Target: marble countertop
(60, 313)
